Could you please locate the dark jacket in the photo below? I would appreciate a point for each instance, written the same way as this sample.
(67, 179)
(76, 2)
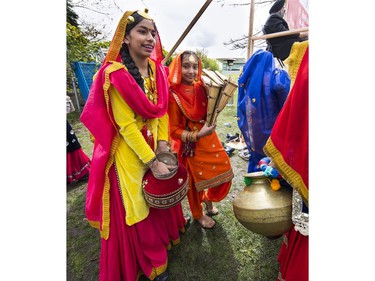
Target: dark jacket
(280, 46)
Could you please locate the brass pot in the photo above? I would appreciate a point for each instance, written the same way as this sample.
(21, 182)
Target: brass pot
(262, 210)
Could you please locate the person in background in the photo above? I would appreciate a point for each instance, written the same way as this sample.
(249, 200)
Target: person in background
(198, 146)
(126, 113)
(263, 89)
(280, 46)
(77, 162)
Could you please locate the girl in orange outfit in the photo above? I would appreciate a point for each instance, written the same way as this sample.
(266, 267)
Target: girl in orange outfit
(198, 146)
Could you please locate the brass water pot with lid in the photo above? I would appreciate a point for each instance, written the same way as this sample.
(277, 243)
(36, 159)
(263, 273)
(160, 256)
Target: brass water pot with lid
(263, 210)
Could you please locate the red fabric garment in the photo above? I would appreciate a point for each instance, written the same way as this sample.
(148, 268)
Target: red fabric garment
(288, 143)
(169, 223)
(97, 116)
(294, 257)
(192, 100)
(130, 250)
(77, 165)
(288, 148)
(157, 54)
(136, 98)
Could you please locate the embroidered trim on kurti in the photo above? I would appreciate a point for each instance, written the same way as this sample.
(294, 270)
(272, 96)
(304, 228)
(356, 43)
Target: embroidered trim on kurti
(216, 181)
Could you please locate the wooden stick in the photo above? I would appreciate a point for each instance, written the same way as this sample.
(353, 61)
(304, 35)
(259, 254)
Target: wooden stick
(250, 42)
(190, 26)
(280, 34)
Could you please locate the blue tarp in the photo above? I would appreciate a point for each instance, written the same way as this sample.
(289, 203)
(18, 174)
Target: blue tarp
(84, 72)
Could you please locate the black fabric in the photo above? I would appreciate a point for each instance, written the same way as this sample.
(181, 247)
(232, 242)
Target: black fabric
(72, 142)
(277, 6)
(279, 46)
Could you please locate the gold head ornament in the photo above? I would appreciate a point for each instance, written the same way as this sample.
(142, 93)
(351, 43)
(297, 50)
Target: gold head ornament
(130, 19)
(144, 14)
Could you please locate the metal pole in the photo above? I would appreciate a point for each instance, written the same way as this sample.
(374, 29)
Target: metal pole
(190, 26)
(75, 94)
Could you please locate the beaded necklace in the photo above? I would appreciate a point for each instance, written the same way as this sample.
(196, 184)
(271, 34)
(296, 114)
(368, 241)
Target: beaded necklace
(151, 93)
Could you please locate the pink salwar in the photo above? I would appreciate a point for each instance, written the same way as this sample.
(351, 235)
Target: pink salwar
(77, 165)
(132, 250)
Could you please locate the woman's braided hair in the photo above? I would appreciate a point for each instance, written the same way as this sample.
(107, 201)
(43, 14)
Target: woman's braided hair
(125, 56)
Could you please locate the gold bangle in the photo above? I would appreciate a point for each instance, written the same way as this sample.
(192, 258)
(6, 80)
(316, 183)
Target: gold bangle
(190, 136)
(183, 135)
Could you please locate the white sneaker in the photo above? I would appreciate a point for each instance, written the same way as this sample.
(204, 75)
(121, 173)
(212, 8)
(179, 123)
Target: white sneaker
(244, 154)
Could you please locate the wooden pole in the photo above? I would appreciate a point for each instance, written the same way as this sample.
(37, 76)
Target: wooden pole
(250, 42)
(281, 33)
(190, 26)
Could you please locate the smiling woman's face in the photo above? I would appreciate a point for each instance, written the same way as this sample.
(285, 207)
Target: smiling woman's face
(141, 39)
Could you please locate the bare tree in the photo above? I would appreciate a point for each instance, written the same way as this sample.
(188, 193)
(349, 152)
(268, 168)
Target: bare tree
(97, 29)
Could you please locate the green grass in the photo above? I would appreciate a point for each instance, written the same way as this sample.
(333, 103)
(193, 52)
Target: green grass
(229, 252)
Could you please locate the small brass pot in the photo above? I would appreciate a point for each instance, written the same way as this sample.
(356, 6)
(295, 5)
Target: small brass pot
(263, 210)
(168, 158)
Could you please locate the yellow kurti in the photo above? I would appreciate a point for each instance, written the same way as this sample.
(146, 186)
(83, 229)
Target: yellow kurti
(132, 153)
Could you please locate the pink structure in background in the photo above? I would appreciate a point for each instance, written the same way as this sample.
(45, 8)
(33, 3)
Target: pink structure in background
(297, 15)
